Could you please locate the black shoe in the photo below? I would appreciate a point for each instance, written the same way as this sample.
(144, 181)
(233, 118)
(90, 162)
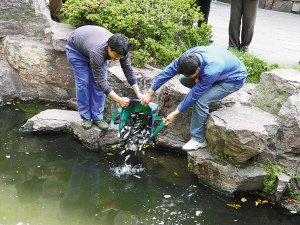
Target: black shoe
(244, 49)
(210, 40)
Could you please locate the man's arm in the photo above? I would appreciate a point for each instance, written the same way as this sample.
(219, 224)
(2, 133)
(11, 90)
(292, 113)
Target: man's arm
(171, 117)
(169, 72)
(136, 89)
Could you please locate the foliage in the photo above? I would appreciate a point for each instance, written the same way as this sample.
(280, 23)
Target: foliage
(272, 169)
(158, 30)
(254, 65)
(269, 184)
(223, 156)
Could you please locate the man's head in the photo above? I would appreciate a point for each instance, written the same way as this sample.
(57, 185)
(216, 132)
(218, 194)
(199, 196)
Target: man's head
(188, 65)
(118, 46)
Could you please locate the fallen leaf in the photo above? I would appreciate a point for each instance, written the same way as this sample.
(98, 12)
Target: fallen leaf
(16, 109)
(243, 199)
(265, 201)
(272, 203)
(236, 206)
(256, 203)
(175, 173)
(110, 154)
(294, 212)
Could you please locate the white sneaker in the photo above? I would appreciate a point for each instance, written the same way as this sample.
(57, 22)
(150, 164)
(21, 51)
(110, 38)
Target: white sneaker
(194, 145)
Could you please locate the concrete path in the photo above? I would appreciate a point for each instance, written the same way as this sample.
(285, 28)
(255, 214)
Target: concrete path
(276, 36)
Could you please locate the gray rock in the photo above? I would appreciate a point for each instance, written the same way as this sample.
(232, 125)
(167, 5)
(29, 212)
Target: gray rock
(222, 176)
(275, 88)
(29, 18)
(10, 84)
(44, 73)
(241, 132)
(281, 185)
(289, 120)
(283, 6)
(55, 120)
(57, 35)
(51, 120)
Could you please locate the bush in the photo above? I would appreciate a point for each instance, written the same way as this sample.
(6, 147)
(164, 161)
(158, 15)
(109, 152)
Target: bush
(159, 30)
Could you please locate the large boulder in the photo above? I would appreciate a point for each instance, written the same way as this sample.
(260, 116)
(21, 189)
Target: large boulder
(33, 45)
(178, 132)
(222, 176)
(44, 72)
(274, 88)
(55, 120)
(24, 17)
(242, 132)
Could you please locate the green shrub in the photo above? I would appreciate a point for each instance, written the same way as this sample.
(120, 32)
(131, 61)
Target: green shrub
(159, 30)
(221, 155)
(254, 65)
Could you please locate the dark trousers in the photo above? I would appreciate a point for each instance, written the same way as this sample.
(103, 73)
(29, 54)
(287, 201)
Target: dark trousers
(204, 8)
(242, 11)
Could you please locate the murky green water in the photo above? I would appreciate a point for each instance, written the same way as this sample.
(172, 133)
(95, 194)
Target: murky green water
(53, 179)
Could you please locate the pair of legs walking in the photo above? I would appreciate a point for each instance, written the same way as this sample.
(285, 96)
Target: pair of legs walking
(90, 98)
(200, 111)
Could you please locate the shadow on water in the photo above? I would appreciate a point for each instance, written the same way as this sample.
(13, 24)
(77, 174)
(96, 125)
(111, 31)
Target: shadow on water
(53, 179)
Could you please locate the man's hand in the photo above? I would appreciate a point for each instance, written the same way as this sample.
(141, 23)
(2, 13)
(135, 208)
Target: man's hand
(124, 102)
(146, 98)
(171, 117)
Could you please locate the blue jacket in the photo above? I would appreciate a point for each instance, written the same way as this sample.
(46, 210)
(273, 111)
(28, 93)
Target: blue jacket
(217, 64)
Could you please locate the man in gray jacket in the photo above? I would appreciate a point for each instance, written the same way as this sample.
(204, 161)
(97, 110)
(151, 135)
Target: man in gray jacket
(88, 50)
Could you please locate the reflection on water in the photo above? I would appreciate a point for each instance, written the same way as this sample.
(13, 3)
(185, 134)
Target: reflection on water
(52, 179)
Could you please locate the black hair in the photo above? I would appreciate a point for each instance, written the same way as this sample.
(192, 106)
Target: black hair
(119, 44)
(188, 64)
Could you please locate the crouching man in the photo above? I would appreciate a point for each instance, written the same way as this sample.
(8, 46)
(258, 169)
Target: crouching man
(212, 73)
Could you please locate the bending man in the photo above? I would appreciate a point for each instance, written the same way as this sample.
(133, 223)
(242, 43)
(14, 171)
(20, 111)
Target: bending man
(88, 50)
(212, 73)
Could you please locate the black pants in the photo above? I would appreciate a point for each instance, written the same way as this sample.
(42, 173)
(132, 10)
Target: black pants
(242, 12)
(204, 8)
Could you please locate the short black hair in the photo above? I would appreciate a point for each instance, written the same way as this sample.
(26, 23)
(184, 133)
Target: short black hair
(119, 44)
(188, 64)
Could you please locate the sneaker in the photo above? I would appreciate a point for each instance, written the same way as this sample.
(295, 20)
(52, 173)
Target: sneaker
(194, 145)
(86, 124)
(101, 124)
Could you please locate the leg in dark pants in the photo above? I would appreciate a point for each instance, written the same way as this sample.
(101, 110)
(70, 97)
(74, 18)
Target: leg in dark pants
(204, 8)
(242, 11)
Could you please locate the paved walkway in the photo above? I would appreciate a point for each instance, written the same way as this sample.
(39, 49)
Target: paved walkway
(276, 36)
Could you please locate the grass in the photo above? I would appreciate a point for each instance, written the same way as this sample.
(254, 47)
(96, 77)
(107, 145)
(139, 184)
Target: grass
(256, 66)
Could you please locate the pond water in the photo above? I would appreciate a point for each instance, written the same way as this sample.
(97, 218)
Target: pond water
(53, 179)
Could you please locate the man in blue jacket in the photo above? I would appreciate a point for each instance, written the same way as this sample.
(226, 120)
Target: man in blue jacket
(212, 73)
